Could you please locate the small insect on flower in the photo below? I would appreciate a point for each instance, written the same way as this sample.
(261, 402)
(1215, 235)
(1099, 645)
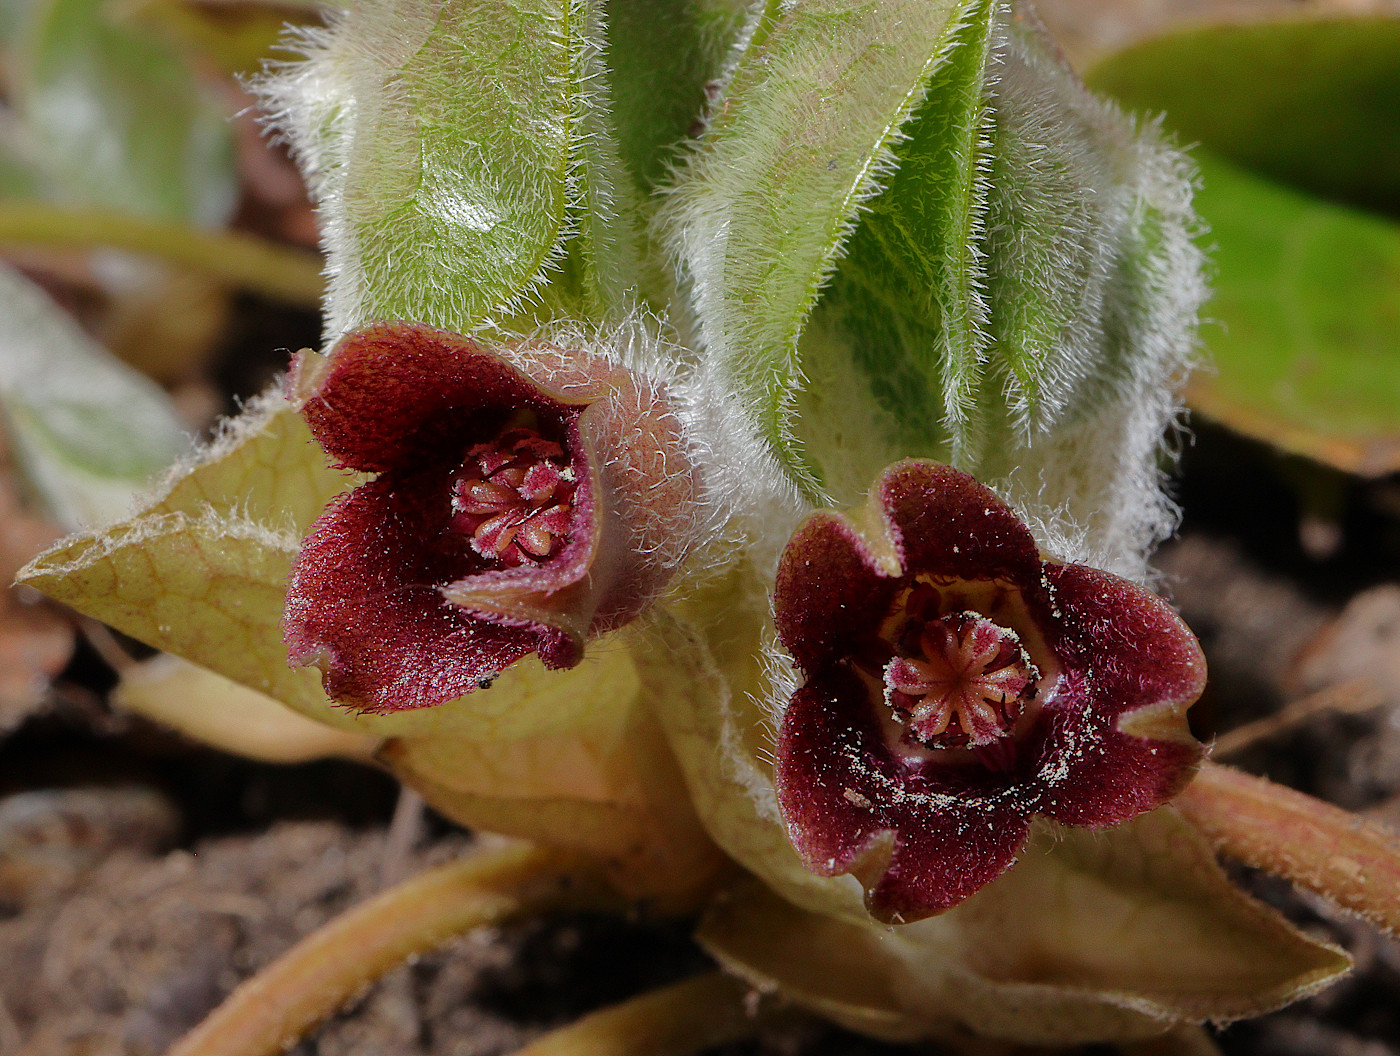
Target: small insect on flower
(522, 503)
(957, 684)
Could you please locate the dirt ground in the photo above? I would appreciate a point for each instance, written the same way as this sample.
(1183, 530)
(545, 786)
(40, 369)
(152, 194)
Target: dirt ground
(141, 876)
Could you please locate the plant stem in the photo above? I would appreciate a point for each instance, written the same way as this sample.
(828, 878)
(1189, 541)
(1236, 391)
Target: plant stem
(1345, 859)
(270, 1011)
(291, 275)
(1352, 697)
(673, 1021)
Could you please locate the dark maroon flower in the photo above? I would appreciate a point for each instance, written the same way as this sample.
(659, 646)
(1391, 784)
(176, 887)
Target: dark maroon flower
(519, 507)
(957, 684)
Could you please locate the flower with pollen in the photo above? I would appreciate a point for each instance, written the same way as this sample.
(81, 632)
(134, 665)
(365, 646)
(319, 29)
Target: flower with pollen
(514, 497)
(957, 684)
(965, 681)
(520, 504)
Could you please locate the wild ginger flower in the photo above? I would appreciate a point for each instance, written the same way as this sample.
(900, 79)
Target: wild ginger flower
(519, 507)
(957, 684)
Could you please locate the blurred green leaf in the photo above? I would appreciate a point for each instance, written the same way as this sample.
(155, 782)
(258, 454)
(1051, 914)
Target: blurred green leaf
(237, 37)
(116, 117)
(1307, 311)
(1314, 103)
(13, 14)
(89, 431)
(288, 274)
(19, 177)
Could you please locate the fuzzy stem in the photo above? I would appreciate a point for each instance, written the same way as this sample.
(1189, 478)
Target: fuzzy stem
(274, 1008)
(1345, 859)
(290, 275)
(673, 1021)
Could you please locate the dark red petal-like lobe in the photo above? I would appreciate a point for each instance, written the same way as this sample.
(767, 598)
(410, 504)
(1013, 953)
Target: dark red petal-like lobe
(398, 393)
(922, 837)
(946, 524)
(1132, 670)
(829, 592)
(943, 859)
(1105, 737)
(364, 603)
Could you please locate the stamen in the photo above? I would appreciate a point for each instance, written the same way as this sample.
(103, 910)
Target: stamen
(513, 497)
(965, 684)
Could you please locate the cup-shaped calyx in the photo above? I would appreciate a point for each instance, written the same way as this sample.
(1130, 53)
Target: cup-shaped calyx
(956, 685)
(521, 503)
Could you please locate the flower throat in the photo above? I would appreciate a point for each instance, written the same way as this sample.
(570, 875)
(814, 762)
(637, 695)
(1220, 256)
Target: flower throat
(513, 497)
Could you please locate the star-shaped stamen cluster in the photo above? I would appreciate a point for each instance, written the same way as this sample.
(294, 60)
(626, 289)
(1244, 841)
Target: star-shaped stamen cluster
(514, 497)
(966, 687)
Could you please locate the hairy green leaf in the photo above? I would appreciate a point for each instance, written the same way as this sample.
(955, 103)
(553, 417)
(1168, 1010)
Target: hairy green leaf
(1093, 936)
(1019, 300)
(664, 59)
(906, 302)
(797, 141)
(441, 142)
(981, 262)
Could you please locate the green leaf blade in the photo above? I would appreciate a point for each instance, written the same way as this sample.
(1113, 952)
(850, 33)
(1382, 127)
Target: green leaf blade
(1093, 936)
(796, 144)
(662, 57)
(90, 432)
(1307, 303)
(439, 140)
(117, 119)
(1019, 300)
(905, 297)
(1311, 102)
